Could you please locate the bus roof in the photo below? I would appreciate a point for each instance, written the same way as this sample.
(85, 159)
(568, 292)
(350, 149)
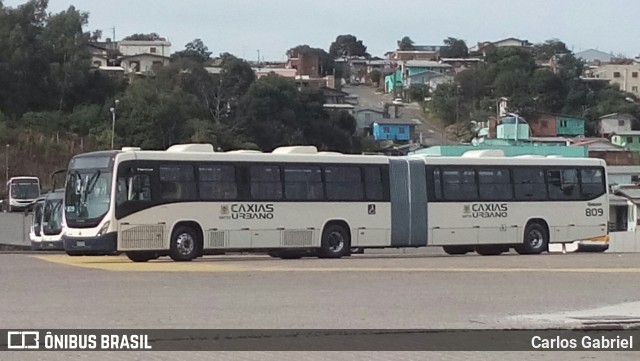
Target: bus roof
(205, 152)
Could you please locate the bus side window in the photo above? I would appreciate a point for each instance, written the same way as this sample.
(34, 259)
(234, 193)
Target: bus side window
(592, 183)
(135, 187)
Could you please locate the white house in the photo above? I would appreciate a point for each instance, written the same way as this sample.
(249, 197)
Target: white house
(137, 47)
(614, 124)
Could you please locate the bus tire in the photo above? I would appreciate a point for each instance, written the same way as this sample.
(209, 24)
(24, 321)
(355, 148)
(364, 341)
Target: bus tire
(335, 242)
(536, 239)
(185, 244)
(490, 250)
(141, 256)
(286, 254)
(455, 250)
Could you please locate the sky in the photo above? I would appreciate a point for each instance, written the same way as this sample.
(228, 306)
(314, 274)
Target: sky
(246, 27)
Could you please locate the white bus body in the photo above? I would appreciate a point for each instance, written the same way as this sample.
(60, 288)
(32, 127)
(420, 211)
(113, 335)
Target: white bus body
(189, 201)
(21, 193)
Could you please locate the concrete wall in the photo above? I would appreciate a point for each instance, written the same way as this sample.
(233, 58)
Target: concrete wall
(624, 242)
(14, 228)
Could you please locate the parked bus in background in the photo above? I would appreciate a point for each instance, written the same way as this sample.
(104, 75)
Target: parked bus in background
(190, 201)
(35, 231)
(20, 193)
(47, 225)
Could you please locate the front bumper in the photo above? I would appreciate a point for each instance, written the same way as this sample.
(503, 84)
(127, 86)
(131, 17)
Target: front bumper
(47, 245)
(106, 244)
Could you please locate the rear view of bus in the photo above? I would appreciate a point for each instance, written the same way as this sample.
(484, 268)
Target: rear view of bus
(21, 193)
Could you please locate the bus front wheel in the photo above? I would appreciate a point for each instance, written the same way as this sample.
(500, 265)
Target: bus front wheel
(536, 239)
(335, 242)
(185, 244)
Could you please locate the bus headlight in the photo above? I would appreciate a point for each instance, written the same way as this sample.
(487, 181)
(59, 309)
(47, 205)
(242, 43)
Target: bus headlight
(103, 229)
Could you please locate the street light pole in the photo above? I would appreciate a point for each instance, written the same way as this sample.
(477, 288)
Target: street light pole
(6, 163)
(113, 121)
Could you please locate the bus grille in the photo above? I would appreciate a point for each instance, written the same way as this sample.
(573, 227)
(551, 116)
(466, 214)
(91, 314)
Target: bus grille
(143, 237)
(217, 239)
(297, 238)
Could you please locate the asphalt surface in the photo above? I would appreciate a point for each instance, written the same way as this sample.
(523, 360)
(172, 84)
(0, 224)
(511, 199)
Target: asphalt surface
(414, 289)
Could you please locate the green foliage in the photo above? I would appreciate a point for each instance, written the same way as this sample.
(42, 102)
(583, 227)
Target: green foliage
(530, 88)
(194, 50)
(275, 113)
(454, 48)
(417, 92)
(406, 44)
(145, 37)
(550, 48)
(375, 76)
(347, 45)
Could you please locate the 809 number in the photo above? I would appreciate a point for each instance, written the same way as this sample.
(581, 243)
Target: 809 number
(594, 212)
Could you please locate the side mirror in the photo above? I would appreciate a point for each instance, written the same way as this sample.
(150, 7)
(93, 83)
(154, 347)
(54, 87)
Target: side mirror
(27, 211)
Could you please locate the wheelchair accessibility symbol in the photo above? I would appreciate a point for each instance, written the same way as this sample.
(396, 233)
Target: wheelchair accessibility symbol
(371, 209)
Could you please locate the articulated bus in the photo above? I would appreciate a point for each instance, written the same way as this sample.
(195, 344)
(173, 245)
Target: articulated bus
(190, 201)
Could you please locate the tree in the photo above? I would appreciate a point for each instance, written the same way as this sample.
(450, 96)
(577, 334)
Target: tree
(406, 44)
(145, 37)
(274, 113)
(375, 76)
(194, 50)
(69, 57)
(549, 48)
(454, 48)
(347, 45)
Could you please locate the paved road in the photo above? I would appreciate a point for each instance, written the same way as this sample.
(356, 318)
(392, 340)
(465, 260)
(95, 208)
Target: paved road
(414, 290)
(369, 98)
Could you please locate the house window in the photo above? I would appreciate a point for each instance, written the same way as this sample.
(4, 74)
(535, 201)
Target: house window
(401, 130)
(386, 130)
(152, 50)
(545, 124)
(616, 74)
(563, 123)
(634, 89)
(634, 74)
(621, 123)
(629, 140)
(367, 117)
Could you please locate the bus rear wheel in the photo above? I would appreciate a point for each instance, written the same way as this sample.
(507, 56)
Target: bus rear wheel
(141, 256)
(185, 244)
(335, 242)
(536, 239)
(454, 250)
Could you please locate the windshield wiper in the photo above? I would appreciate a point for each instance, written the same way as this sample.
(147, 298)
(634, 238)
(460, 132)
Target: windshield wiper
(91, 183)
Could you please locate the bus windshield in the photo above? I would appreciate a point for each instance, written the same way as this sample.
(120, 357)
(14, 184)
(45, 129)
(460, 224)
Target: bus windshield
(52, 216)
(87, 196)
(25, 190)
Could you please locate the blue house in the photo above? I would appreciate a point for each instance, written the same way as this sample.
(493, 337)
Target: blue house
(393, 129)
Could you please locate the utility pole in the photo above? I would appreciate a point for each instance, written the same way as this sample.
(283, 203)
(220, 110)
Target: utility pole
(258, 59)
(113, 121)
